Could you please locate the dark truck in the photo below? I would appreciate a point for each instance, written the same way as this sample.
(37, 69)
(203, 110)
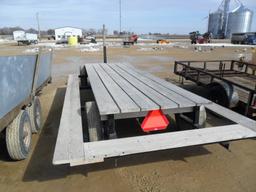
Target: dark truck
(244, 38)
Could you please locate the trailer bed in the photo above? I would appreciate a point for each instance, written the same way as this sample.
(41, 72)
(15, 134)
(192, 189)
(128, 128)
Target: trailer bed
(122, 91)
(238, 74)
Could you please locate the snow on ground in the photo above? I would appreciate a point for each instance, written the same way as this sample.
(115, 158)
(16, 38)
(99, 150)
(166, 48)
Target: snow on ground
(33, 50)
(224, 45)
(5, 41)
(89, 47)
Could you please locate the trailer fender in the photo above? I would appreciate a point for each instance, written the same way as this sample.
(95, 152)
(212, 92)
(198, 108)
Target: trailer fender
(223, 94)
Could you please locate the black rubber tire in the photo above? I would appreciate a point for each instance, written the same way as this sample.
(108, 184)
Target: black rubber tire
(218, 95)
(18, 136)
(35, 114)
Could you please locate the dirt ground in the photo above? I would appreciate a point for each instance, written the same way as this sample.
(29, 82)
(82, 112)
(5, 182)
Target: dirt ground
(202, 168)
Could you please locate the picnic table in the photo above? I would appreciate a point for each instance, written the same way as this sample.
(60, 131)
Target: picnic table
(122, 91)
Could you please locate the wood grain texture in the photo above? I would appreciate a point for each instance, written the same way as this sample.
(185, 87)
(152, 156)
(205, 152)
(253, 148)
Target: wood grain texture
(119, 147)
(180, 100)
(138, 97)
(69, 145)
(182, 92)
(105, 102)
(123, 101)
(156, 97)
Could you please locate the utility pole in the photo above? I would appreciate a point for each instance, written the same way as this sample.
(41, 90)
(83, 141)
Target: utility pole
(120, 17)
(38, 25)
(104, 45)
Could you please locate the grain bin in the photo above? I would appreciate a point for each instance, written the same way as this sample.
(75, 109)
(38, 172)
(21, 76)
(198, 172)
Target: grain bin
(214, 24)
(239, 21)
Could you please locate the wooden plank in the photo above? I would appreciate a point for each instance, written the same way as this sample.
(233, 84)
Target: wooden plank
(97, 151)
(161, 100)
(69, 145)
(94, 122)
(124, 102)
(187, 94)
(233, 116)
(138, 97)
(105, 102)
(180, 100)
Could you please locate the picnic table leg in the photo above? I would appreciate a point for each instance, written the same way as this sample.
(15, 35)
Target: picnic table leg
(178, 121)
(110, 127)
(84, 78)
(196, 116)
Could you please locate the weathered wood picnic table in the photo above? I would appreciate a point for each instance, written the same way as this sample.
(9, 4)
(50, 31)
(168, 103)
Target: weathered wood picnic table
(121, 91)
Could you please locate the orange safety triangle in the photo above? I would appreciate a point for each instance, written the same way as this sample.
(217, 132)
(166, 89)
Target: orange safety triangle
(154, 121)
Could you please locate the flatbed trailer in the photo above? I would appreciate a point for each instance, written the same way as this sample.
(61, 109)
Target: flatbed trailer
(22, 77)
(229, 82)
(121, 91)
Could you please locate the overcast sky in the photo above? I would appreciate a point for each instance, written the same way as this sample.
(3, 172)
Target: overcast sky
(141, 16)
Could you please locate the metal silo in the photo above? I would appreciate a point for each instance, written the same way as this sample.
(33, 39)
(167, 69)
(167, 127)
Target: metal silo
(215, 24)
(239, 21)
(218, 20)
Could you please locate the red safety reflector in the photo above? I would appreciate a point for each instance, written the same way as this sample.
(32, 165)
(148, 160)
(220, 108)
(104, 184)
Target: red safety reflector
(154, 121)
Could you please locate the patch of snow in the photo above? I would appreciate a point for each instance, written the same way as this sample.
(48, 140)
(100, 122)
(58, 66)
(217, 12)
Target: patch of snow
(90, 49)
(4, 40)
(34, 50)
(224, 45)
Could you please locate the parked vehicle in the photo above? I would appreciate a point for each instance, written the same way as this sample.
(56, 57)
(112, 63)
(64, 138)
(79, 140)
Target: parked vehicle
(131, 40)
(22, 77)
(196, 37)
(244, 38)
(229, 83)
(25, 38)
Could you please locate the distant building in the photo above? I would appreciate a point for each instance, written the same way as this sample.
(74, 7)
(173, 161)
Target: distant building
(65, 32)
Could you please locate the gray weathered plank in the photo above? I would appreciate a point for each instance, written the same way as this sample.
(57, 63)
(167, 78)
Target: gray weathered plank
(105, 103)
(69, 145)
(158, 98)
(233, 116)
(184, 93)
(180, 100)
(138, 97)
(93, 121)
(124, 102)
(97, 151)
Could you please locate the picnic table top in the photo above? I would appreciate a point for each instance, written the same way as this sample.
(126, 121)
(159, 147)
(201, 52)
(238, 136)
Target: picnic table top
(121, 88)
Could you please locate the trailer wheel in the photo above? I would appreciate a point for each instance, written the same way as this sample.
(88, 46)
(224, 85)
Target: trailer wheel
(35, 114)
(18, 136)
(94, 123)
(218, 95)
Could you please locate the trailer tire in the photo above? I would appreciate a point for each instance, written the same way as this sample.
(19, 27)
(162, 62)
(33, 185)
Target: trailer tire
(218, 95)
(223, 94)
(35, 114)
(18, 136)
